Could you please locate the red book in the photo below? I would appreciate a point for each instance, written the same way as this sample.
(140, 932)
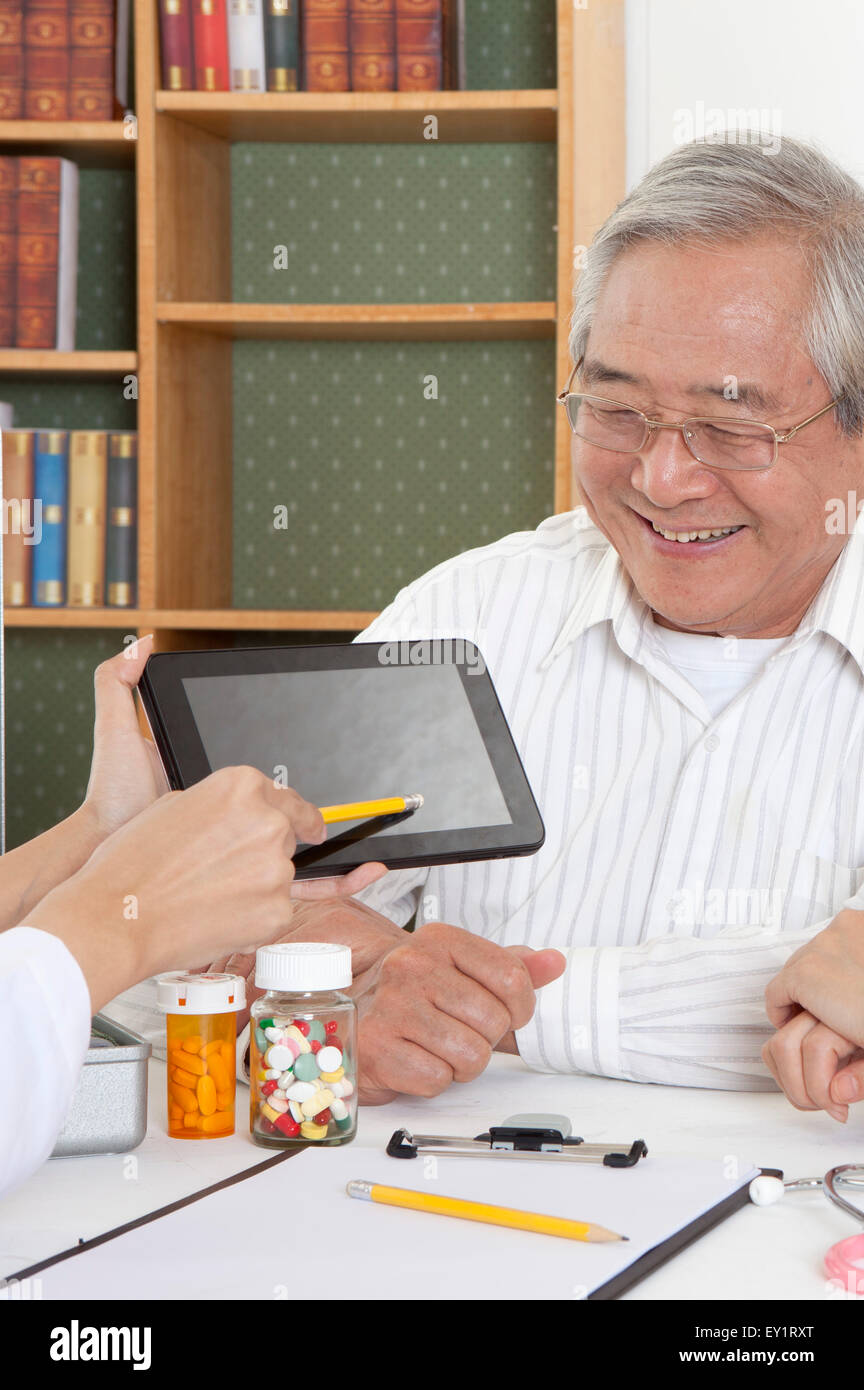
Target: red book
(46, 24)
(46, 84)
(418, 45)
(8, 247)
(47, 252)
(11, 60)
(210, 26)
(372, 38)
(175, 32)
(325, 46)
(91, 60)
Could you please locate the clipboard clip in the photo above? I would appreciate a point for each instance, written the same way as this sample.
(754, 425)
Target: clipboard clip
(520, 1137)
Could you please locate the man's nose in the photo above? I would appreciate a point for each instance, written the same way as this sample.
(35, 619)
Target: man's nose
(666, 471)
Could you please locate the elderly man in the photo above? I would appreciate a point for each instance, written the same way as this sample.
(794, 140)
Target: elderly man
(680, 661)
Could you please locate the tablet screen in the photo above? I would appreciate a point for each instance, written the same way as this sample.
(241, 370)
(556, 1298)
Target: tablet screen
(388, 725)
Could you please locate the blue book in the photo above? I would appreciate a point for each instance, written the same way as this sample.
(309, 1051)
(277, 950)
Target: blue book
(51, 489)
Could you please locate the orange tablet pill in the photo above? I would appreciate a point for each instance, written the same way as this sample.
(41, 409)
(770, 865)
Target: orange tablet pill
(191, 1121)
(214, 1124)
(229, 1053)
(218, 1070)
(224, 1100)
(209, 1048)
(193, 1044)
(191, 1062)
(184, 1078)
(206, 1093)
(175, 1112)
(185, 1099)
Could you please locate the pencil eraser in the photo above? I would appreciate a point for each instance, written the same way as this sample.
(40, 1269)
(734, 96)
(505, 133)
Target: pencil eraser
(764, 1191)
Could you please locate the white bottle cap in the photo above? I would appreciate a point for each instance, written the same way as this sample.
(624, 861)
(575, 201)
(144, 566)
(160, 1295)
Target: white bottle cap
(299, 966)
(200, 994)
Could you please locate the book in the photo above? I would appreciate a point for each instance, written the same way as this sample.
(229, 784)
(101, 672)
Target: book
(122, 36)
(8, 247)
(325, 46)
(46, 60)
(88, 470)
(372, 40)
(50, 487)
(455, 77)
(47, 252)
(91, 60)
(175, 35)
(22, 528)
(7, 414)
(282, 44)
(11, 60)
(418, 45)
(210, 45)
(121, 521)
(247, 69)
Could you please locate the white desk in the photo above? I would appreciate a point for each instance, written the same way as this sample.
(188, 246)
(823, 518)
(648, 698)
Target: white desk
(759, 1253)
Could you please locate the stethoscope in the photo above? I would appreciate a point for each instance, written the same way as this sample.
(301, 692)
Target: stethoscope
(839, 1261)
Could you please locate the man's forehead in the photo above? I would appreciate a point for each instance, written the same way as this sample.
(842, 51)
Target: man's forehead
(725, 386)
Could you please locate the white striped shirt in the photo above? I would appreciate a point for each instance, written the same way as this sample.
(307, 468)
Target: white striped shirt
(686, 856)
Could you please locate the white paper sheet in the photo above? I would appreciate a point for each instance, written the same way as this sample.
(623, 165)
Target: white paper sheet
(293, 1233)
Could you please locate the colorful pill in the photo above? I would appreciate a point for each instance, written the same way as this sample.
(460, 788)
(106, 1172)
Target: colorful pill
(331, 1026)
(299, 1038)
(286, 1080)
(274, 1034)
(288, 1126)
(344, 1124)
(272, 1074)
(333, 1075)
(260, 1040)
(323, 1118)
(310, 1130)
(329, 1058)
(314, 1045)
(316, 1030)
(306, 1068)
(301, 1090)
(280, 1106)
(296, 1112)
(302, 1026)
(278, 1056)
(338, 1109)
(269, 1113)
(269, 1087)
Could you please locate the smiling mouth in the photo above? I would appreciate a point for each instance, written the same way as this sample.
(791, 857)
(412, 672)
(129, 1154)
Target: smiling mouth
(690, 537)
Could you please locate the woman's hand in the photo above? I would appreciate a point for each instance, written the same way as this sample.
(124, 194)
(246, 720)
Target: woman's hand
(126, 774)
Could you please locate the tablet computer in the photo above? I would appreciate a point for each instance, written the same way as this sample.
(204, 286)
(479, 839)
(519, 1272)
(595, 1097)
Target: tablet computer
(354, 722)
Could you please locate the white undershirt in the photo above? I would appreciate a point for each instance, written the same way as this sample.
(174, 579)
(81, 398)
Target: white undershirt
(718, 667)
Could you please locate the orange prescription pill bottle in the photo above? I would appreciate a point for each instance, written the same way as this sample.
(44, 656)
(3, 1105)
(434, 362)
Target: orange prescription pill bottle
(201, 1026)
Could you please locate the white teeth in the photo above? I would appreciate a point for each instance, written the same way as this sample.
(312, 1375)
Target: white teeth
(684, 536)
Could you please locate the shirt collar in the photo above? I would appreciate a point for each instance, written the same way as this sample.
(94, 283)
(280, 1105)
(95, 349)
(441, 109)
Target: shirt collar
(609, 595)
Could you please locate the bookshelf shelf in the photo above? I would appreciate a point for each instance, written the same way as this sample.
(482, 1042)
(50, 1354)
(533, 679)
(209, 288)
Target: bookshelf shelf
(87, 142)
(191, 619)
(406, 322)
(46, 362)
(366, 116)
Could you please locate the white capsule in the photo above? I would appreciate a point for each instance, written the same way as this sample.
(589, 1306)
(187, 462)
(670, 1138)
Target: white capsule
(274, 1035)
(301, 1090)
(296, 1112)
(347, 1087)
(329, 1059)
(286, 1080)
(338, 1108)
(277, 1094)
(276, 1104)
(273, 1074)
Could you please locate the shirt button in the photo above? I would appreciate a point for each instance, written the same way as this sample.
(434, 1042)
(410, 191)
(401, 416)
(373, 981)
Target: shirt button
(712, 743)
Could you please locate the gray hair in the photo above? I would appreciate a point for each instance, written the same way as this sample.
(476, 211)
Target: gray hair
(731, 189)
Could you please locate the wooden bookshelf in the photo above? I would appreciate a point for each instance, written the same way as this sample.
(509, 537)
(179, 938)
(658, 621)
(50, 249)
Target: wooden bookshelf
(187, 321)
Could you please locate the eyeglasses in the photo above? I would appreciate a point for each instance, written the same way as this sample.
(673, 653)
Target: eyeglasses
(744, 445)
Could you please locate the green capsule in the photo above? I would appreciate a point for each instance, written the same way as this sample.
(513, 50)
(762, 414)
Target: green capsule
(265, 1023)
(260, 1041)
(343, 1124)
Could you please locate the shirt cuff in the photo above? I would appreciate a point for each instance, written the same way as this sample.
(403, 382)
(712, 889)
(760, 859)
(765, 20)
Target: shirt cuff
(243, 1055)
(575, 1022)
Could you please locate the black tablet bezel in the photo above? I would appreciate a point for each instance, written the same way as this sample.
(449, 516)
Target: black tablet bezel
(185, 761)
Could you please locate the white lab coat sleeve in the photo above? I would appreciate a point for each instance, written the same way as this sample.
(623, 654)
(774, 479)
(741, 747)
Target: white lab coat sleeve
(44, 1036)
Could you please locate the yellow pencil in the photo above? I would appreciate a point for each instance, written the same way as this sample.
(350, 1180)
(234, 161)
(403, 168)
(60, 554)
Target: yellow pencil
(480, 1211)
(360, 810)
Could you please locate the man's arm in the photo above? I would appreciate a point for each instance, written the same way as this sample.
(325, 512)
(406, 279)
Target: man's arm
(686, 1011)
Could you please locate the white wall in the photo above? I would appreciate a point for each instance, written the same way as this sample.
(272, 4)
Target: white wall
(801, 62)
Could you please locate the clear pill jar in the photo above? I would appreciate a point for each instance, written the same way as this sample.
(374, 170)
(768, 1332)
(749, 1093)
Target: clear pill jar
(303, 1046)
(201, 1026)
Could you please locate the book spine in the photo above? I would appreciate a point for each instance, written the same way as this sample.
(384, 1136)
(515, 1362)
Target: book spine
(91, 60)
(122, 31)
(22, 529)
(418, 45)
(67, 267)
(247, 68)
(210, 45)
(282, 45)
(88, 468)
(38, 251)
(50, 486)
(175, 33)
(325, 46)
(8, 247)
(11, 60)
(46, 60)
(453, 42)
(372, 39)
(121, 521)
(7, 415)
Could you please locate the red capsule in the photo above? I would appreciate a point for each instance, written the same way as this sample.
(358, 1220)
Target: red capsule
(288, 1126)
(331, 1026)
(268, 1088)
(335, 1042)
(265, 1126)
(323, 1117)
(315, 1045)
(302, 1025)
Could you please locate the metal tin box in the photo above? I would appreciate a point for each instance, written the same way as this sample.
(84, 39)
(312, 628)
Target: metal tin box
(109, 1109)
